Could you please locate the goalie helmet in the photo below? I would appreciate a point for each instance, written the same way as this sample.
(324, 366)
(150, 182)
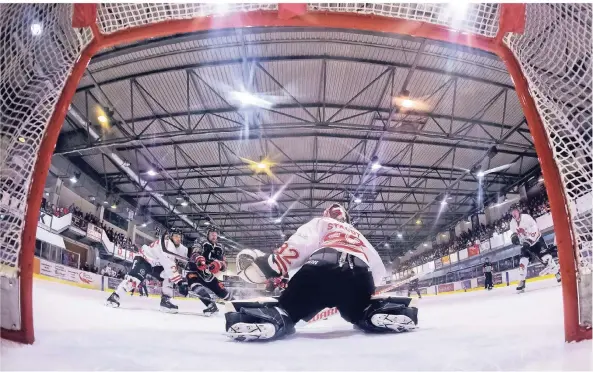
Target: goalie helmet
(337, 212)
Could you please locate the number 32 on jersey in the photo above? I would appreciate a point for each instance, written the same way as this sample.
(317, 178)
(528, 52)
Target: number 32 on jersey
(284, 257)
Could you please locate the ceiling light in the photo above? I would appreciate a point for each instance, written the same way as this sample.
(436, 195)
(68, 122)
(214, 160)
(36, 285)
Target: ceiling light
(278, 220)
(426, 245)
(92, 198)
(36, 28)
(418, 221)
(358, 200)
(102, 119)
(207, 223)
(248, 99)
(262, 165)
(480, 174)
(541, 179)
(21, 139)
(386, 245)
(407, 103)
(400, 235)
(178, 197)
(151, 172)
(376, 166)
(73, 179)
(114, 206)
(105, 202)
(271, 201)
(184, 203)
(46, 193)
(443, 202)
(143, 224)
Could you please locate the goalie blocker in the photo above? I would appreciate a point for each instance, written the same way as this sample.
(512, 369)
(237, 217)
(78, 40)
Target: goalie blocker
(338, 268)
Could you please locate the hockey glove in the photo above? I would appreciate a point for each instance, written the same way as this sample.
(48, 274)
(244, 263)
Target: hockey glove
(515, 239)
(215, 266)
(201, 263)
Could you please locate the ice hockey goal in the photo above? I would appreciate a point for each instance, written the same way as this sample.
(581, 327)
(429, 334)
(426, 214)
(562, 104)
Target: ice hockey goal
(46, 48)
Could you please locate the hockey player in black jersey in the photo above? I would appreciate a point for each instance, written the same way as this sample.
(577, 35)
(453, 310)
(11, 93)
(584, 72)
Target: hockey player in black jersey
(201, 270)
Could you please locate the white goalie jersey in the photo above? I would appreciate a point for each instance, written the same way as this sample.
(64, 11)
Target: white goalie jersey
(526, 229)
(322, 233)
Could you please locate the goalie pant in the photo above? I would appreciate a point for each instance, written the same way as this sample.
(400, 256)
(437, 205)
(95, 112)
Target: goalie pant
(324, 281)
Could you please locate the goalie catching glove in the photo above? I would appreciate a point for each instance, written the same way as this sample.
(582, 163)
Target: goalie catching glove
(255, 266)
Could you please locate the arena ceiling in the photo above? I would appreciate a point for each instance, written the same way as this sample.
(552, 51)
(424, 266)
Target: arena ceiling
(257, 130)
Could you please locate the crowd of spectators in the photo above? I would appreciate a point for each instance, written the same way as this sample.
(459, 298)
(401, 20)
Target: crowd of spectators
(119, 239)
(535, 207)
(53, 209)
(89, 268)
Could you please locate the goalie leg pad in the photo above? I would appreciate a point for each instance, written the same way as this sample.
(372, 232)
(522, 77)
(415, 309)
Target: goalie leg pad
(251, 324)
(383, 316)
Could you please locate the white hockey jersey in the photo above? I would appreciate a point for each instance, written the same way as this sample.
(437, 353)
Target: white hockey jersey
(526, 229)
(322, 233)
(156, 256)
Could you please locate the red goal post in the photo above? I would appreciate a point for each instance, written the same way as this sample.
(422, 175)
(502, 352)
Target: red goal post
(545, 47)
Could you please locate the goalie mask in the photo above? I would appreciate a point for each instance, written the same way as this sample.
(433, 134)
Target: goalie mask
(337, 212)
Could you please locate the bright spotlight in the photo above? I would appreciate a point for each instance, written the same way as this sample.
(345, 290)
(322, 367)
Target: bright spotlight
(113, 206)
(358, 200)
(407, 103)
(262, 165)
(248, 99)
(278, 220)
(443, 202)
(21, 139)
(418, 221)
(271, 201)
(36, 28)
(184, 203)
(426, 245)
(105, 202)
(376, 166)
(102, 119)
(400, 235)
(143, 224)
(151, 172)
(386, 245)
(207, 223)
(73, 179)
(480, 174)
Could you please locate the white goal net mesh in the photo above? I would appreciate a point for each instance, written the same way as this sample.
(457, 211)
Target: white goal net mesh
(555, 56)
(39, 48)
(37, 52)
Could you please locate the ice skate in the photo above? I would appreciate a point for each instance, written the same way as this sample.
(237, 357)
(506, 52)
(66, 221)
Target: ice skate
(521, 287)
(211, 309)
(558, 277)
(113, 300)
(167, 306)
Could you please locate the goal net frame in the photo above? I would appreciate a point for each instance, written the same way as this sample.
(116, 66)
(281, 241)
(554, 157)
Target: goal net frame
(102, 27)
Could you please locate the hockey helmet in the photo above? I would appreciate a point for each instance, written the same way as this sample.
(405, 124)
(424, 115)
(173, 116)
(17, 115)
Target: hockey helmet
(210, 230)
(515, 211)
(175, 235)
(337, 212)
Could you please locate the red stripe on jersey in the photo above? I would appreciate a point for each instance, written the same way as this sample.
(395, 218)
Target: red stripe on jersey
(281, 264)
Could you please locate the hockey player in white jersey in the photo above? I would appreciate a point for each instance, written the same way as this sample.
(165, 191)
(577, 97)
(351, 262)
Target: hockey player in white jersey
(526, 233)
(337, 267)
(159, 260)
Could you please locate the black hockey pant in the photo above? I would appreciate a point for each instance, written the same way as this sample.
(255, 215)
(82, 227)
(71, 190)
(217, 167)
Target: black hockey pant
(324, 282)
(415, 289)
(141, 268)
(540, 249)
(488, 280)
(210, 282)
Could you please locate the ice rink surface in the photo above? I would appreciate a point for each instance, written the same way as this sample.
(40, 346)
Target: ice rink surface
(497, 330)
